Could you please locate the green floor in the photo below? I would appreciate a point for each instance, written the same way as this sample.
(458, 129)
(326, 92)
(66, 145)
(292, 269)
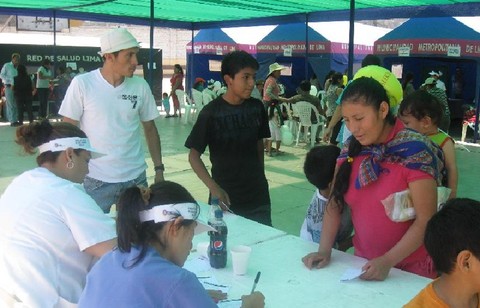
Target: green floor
(289, 190)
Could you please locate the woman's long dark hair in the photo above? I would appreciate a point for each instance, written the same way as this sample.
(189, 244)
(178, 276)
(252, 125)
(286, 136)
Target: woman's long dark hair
(132, 232)
(368, 91)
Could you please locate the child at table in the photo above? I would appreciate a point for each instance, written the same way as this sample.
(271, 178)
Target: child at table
(155, 229)
(422, 112)
(319, 168)
(451, 239)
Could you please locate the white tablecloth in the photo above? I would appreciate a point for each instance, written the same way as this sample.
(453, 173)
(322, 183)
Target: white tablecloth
(286, 282)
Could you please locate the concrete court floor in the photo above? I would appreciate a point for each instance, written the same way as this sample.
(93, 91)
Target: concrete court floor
(289, 190)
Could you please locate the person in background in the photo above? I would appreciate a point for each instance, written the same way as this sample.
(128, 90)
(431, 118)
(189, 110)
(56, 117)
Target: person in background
(274, 123)
(7, 74)
(233, 127)
(155, 230)
(112, 105)
(209, 89)
(422, 112)
(314, 81)
(333, 93)
(52, 231)
(438, 83)
(381, 158)
(430, 86)
(328, 80)
(319, 168)
(62, 82)
(44, 75)
(23, 92)
(166, 104)
(271, 89)
(199, 84)
(451, 239)
(177, 84)
(407, 84)
(257, 91)
(369, 59)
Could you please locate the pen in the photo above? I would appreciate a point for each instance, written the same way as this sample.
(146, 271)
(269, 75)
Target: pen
(255, 282)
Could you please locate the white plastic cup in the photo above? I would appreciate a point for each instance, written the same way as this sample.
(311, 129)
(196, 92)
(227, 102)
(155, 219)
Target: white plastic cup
(202, 249)
(240, 256)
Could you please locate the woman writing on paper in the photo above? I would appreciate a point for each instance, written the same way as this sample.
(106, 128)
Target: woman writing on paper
(381, 158)
(155, 229)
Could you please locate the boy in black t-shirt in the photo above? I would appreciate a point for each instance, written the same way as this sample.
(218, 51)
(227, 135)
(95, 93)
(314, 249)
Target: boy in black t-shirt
(233, 127)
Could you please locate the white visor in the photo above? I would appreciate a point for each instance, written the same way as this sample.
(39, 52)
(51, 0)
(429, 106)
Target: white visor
(62, 144)
(169, 212)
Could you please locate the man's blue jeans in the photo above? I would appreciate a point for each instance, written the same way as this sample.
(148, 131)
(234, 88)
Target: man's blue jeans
(107, 194)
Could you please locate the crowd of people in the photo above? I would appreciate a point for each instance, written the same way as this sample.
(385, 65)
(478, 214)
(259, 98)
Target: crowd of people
(19, 88)
(60, 249)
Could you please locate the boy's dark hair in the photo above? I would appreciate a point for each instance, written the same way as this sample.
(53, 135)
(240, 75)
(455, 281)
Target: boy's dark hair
(371, 59)
(454, 228)
(237, 60)
(319, 166)
(420, 104)
(305, 86)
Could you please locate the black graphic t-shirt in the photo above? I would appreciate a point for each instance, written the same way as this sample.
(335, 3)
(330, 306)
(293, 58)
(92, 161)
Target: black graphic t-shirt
(231, 133)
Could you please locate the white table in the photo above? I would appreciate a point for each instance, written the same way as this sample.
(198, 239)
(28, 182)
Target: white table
(240, 230)
(286, 282)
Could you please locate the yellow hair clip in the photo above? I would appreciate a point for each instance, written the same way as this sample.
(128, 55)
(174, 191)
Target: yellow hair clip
(349, 159)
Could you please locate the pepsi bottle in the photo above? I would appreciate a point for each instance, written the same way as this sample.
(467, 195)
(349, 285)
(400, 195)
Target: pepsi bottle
(217, 251)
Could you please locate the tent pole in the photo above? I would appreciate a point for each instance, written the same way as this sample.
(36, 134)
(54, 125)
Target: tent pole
(477, 104)
(150, 53)
(306, 47)
(190, 73)
(350, 39)
(54, 44)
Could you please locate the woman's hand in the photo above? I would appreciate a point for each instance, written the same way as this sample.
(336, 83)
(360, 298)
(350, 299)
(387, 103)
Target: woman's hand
(376, 269)
(254, 300)
(317, 259)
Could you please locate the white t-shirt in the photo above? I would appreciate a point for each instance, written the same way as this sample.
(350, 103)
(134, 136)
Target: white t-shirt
(46, 222)
(43, 83)
(111, 118)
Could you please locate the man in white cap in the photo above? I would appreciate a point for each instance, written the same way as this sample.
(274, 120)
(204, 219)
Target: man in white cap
(109, 104)
(436, 76)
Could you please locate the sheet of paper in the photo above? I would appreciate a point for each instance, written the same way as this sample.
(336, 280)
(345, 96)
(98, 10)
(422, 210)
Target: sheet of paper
(230, 304)
(351, 273)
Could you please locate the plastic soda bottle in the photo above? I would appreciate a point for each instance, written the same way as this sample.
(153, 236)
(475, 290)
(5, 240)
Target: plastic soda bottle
(217, 251)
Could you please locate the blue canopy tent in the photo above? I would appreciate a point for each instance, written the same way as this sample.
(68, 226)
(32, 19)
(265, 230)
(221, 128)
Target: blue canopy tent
(287, 45)
(444, 44)
(209, 46)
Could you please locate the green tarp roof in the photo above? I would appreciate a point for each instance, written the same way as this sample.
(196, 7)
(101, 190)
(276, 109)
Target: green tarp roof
(196, 14)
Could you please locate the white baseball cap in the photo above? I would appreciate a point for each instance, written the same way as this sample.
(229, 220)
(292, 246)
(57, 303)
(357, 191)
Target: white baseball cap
(116, 40)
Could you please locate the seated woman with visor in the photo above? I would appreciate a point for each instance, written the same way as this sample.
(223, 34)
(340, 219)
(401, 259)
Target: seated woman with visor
(51, 230)
(155, 228)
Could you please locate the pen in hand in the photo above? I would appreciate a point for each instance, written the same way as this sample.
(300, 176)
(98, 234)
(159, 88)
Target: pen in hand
(255, 282)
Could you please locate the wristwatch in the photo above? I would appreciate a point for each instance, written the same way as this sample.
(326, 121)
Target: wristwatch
(160, 167)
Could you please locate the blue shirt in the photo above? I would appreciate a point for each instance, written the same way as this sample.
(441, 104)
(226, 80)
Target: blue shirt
(154, 282)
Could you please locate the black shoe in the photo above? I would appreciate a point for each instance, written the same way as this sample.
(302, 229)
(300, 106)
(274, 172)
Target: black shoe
(168, 116)
(15, 124)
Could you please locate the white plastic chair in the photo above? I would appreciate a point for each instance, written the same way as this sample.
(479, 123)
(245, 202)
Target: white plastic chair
(197, 98)
(185, 103)
(313, 90)
(304, 112)
(207, 97)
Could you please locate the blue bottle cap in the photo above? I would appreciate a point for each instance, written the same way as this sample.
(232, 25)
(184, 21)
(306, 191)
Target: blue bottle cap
(218, 214)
